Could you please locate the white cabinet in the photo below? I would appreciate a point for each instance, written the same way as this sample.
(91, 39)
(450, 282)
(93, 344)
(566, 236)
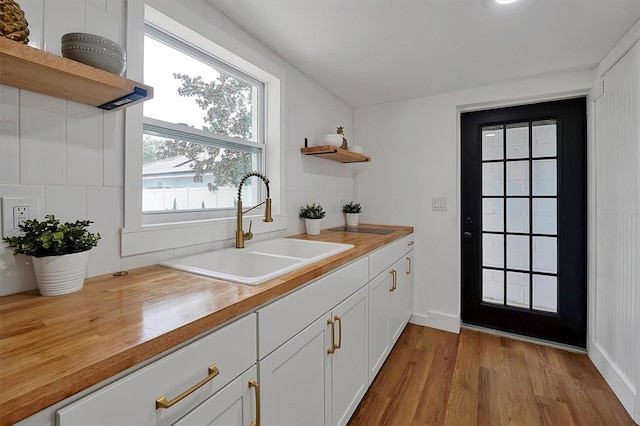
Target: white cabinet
(390, 299)
(318, 376)
(197, 371)
(235, 404)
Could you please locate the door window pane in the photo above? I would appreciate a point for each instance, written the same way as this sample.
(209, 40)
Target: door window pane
(545, 254)
(518, 252)
(517, 215)
(492, 143)
(544, 177)
(545, 213)
(544, 138)
(518, 289)
(493, 250)
(493, 286)
(518, 178)
(545, 293)
(493, 214)
(518, 140)
(492, 178)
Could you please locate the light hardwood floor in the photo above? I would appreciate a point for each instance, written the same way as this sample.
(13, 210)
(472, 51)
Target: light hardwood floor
(437, 378)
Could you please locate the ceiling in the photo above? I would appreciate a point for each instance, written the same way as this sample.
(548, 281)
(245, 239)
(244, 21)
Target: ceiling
(376, 51)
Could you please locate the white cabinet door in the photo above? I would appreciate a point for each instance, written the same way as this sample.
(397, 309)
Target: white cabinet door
(295, 379)
(234, 405)
(349, 371)
(379, 342)
(409, 287)
(396, 300)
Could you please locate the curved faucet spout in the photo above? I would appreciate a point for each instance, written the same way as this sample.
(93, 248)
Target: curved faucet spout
(241, 236)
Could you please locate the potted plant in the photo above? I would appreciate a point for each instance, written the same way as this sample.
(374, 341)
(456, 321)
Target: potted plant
(312, 215)
(60, 252)
(352, 212)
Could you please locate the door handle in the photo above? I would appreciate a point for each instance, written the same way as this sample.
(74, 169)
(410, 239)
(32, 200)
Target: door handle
(466, 236)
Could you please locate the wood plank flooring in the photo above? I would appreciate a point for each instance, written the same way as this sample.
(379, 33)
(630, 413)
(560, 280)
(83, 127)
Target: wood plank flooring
(437, 378)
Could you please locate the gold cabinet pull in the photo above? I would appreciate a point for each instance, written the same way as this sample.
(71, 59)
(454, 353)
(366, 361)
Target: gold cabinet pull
(332, 349)
(162, 401)
(339, 321)
(394, 277)
(253, 383)
(411, 242)
(409, 269)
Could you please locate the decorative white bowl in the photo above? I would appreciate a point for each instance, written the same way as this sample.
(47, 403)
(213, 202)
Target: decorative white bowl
(333, 139)
(96, 51)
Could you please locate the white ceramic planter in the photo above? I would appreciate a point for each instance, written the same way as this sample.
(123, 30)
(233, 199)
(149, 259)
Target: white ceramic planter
(58, 275)
(352, 219)
(313, 226)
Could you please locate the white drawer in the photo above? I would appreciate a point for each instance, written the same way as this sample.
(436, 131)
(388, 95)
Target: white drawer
(384, 257)
(132, 399)
(282, 319)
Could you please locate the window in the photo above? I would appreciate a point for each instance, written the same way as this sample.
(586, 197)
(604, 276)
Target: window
(202, 132)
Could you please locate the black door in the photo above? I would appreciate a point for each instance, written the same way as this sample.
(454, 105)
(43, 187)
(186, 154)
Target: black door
(524, 220)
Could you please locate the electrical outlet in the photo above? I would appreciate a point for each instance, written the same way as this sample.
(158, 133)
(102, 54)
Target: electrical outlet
(15, 211)
(20, 214)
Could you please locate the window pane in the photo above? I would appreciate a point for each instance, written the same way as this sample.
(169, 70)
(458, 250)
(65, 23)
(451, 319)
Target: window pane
(545, 216)
(493, 250)
(492, 214)
(545, 293)
(518, 289)
(518, 252)
(493, 286)
(544, 177)
(544, 138)
(518, 215)
(492, 143)
(492, 178)
(180, 175)
(194, 93)
(518, 178)
(545, 254)
(518, 140)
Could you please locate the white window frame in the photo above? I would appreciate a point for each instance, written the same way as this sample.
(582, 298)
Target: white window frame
(138, 237)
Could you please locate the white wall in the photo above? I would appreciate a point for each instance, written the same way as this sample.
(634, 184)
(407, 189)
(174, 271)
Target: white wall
(414, 147)
(71, 156)
(614, 342)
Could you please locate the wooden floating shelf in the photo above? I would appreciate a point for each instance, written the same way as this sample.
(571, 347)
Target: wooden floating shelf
(33, 69)
(335, 154)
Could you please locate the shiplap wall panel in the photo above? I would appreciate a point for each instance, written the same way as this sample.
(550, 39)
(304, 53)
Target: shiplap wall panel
(617, 293)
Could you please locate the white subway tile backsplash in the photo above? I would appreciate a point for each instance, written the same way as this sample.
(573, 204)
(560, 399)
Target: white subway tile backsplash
(9, 143)
(117, 8)
(113, 148)
(99, 22)
(16, 272)
(67, 203)
(61, 17)
(100, 4)
(84, 145)
(104, 208)
(33, 12)
(42, 135)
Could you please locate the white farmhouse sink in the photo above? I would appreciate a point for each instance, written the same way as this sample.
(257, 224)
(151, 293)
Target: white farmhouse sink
(257, 262)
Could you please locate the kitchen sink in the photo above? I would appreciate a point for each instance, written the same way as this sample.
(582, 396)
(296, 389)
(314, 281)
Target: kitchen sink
(259, 261)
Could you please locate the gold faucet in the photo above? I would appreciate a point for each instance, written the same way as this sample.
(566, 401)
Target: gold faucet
(241, 236)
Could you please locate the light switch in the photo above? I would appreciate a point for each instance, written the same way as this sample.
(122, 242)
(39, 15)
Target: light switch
(439, 204)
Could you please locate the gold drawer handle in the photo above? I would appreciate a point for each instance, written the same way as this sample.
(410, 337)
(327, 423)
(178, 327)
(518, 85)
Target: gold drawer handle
(409, 269)
(339, 321)
(394, 277)
(253, 383)
(162, 401)
(332, 349)
(411, 243)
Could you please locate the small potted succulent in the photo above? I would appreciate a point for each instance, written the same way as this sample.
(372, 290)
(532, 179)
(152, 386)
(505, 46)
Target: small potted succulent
(60, 252)
(312, 215)
(352, 212)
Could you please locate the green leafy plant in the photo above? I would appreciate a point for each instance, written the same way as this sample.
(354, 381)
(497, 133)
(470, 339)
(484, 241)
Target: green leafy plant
(351, 207)
(312, 211)
(51, 238)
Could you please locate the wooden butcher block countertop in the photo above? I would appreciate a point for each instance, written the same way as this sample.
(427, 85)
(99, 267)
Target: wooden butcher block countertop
(54, 347)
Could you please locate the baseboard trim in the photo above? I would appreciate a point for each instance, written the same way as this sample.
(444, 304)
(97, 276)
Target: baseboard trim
(624, 390)
(438, 320)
